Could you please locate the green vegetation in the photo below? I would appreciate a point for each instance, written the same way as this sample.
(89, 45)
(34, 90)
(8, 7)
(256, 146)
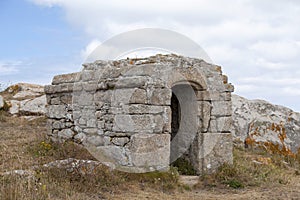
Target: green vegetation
(184, 167)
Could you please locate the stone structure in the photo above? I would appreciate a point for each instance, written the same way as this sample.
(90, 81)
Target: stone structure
(140, 114)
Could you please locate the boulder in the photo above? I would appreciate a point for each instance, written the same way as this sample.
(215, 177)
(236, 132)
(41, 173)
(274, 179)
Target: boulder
(25, 90)
(34, 106)
(260, 123)
(28, 99)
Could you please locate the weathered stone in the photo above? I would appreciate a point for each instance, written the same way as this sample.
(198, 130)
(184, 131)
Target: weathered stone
(97, 140)
(91, 123)
(65, 78)
(221, 108)
(90, 131)
(57, 111)
(259, 123)
(128, 96)
(221, 124)
(34, 107)
(160, 97)
(1, 102)
(213, 96)
(150, 150)
(15, 105)
(204, 110)
(65, 134)
(83, 98)
(122, 112)
(58, 125)
(120, 141)
(213, 149)
(52, 89)
(66, 87)
(130, 82)
(55, 101)
(80, 137)
(111, 154)
(90, 87)
(137, 123)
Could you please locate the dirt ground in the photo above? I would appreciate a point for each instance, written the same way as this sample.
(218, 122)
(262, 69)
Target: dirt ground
(17, 135)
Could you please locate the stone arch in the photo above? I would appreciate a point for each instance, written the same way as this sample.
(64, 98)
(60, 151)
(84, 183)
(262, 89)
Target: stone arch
(186, 121)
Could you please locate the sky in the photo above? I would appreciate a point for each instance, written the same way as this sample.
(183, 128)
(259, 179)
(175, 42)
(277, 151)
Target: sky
(256, 42)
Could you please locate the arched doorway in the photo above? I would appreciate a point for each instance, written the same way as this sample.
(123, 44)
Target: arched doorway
(184, 125)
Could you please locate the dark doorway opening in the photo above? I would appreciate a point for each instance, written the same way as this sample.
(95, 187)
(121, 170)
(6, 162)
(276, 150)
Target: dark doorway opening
(182, 123)
(175, 123)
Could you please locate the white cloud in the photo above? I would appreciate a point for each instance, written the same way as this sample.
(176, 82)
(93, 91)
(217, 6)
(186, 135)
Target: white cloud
(248, 38)
(7, 68)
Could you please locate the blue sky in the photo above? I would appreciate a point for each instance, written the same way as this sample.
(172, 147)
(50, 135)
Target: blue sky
(36, 43)
(257, 43)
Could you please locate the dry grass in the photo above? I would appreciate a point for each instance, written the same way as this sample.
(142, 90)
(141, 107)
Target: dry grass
(23, 144)
(253, 168)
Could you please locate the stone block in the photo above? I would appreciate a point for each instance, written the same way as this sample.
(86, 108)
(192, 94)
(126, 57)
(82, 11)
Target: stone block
(90, 131)
(65, 134)
(212, 150)
(221, 125)
(128, 96)
(213, 96)
(120, 141)
(58, 125)
(52, 89)
(138, 123)
(87, 75)
(150, 150)
(90, 87)
(221, 108)
(103, 96)
(204, 112)
(56, 111)
(110, 154)
(66, 78)
(54, 101)
(130, 82)
(83, 98)
(97, 140)
(66, 99)
(160, 96)
(66, 87)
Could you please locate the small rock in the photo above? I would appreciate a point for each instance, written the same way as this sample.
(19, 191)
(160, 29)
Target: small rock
(189, 180)
(19, 172)
(15, 105)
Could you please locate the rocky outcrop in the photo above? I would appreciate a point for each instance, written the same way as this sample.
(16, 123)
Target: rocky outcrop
(26, 99)
(260, 123)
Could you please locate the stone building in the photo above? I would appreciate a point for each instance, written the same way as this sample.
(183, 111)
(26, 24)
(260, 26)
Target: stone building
(143, 114)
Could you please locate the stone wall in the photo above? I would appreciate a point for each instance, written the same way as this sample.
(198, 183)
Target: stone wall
(121, 112)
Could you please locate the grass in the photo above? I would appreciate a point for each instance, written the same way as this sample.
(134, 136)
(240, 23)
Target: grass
(253, 168)
(23, 144)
